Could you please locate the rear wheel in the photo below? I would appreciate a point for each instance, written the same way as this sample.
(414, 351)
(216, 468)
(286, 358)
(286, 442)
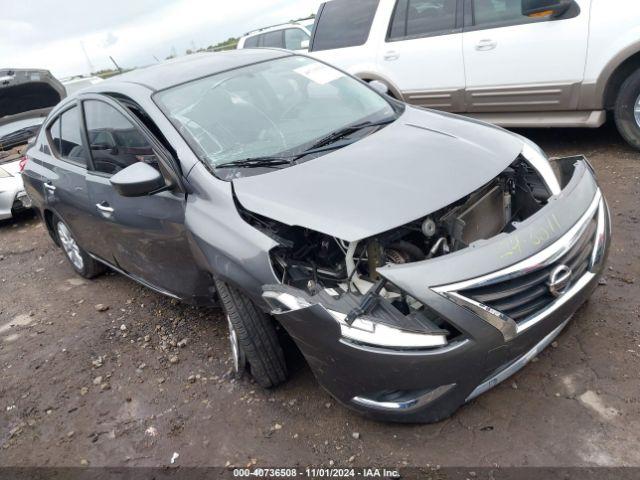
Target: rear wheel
(253, 338)
(627, 110)
(79, 260)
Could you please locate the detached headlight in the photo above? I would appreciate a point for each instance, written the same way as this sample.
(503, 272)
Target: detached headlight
(539, 160)
(363, 330)
(4, 173)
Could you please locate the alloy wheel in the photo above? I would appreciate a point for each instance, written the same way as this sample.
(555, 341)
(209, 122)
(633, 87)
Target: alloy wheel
(636, 111)
(70, 246)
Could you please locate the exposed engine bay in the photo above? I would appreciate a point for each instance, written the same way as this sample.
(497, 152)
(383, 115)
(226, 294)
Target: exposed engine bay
(312, 262)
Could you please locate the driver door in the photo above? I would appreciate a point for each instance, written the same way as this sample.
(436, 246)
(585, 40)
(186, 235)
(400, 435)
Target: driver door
(144, 237)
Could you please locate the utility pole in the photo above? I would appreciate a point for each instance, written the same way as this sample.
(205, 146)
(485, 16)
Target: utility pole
(86, 56)
(114, 62)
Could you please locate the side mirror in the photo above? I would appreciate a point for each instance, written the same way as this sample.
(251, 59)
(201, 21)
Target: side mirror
(304, 45)
(543, 8)
(137, 180)
(379, 87)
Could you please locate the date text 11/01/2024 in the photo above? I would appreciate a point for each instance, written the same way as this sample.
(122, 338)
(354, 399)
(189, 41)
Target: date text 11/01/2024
(316, 472)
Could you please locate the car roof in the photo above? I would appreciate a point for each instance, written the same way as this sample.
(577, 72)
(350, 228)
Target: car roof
(191, 67)
(275, 28)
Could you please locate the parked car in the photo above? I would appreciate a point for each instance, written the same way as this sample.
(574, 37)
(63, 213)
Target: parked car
(415, 257)
(291, 36)
(515, 63)
(26, 98)
(76, 84)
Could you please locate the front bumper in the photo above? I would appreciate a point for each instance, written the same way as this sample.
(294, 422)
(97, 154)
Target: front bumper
(426, 385)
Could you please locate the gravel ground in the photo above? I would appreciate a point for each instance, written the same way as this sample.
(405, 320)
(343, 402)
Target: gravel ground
(143, 378)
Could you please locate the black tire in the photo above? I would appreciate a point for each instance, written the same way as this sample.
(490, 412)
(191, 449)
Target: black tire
(256, 335)
(89, 267)
(625, 110)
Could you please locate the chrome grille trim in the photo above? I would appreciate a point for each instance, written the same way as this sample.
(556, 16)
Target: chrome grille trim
(508, 326)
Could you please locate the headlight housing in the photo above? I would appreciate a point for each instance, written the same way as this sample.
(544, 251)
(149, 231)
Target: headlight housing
(364, 330)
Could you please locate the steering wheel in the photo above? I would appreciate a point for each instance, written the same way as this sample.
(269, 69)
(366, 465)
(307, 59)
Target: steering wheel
(290, 109)
(283, 141)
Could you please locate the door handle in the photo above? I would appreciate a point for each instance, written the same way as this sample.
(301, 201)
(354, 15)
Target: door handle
(391, 55)
(49, 187)
(485, 45)
(104, 207)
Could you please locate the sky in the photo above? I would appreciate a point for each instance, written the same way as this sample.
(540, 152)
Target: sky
(73, 37)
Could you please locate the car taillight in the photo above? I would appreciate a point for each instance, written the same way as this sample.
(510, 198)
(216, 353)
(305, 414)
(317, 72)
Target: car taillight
(23, 163)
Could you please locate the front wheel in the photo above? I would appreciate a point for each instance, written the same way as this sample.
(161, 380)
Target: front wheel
(253, 337)
(80, 261)
(627, 110)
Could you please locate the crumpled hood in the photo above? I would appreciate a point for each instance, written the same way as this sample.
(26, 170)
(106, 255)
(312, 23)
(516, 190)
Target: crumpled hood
(24, 90)
(419, 164)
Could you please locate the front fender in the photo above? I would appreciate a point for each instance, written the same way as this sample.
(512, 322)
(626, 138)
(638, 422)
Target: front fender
(222, 242)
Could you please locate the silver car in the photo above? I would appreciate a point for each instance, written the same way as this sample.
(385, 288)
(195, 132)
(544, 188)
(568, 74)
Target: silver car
(26, 98)
(13, 197)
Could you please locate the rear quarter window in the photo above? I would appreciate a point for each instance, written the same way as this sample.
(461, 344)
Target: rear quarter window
(344, 23)
(251, 42)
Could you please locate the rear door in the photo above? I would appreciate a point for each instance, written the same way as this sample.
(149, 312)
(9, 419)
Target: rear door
(517, 63)
(144, 237)
(422, 53)
(63, 159)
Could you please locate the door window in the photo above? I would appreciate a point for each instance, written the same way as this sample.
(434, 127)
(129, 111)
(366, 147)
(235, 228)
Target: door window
(489, 12)
(272, 40)
(66, 139)
(496, 13)
(115, 142)
(421, 18)
(344, 23)
(293, 38)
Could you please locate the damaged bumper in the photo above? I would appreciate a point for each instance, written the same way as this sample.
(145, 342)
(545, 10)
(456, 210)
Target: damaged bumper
(495, 304)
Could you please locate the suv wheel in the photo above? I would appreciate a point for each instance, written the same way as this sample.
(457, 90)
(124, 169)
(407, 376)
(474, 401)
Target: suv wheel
(627, 110)
(81, 262)
(253, 338)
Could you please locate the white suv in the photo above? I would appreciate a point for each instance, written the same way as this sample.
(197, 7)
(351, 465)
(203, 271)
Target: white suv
(542, 63)
(292, 36)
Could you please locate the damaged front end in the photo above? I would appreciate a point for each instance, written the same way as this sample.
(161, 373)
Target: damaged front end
(314, 268)
(378, 321)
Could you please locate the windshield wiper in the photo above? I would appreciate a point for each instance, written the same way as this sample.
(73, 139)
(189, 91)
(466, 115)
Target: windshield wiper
(325, 144)
(258, 162)
(343, 132)
(277, 161)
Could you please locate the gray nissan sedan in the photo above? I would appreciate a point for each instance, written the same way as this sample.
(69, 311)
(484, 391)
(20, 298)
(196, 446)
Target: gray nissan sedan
(416, 258)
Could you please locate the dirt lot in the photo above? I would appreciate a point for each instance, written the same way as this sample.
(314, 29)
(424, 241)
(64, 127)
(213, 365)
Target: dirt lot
(120, 387)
